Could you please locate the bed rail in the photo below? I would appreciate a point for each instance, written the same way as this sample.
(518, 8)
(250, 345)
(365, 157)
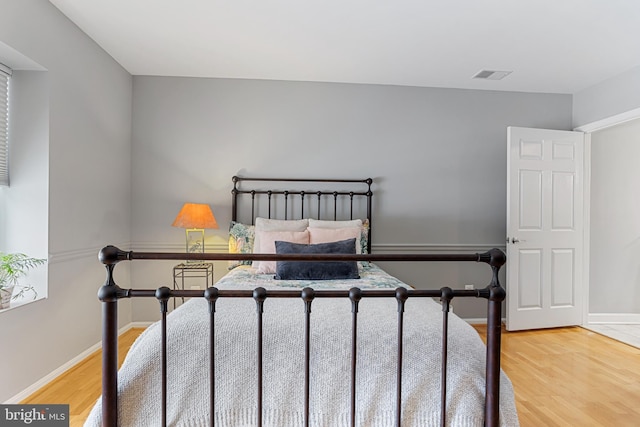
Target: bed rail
(110, 293)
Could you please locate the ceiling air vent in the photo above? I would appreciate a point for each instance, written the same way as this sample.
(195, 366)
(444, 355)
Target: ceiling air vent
(491, 74)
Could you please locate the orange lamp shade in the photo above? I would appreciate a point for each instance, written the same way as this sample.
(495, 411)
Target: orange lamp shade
(195, 215)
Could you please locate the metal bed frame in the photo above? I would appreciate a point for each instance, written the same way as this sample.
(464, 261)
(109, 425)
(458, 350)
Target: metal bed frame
(110, 293)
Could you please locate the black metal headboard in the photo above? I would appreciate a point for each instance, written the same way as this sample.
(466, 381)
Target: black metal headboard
(266, 197)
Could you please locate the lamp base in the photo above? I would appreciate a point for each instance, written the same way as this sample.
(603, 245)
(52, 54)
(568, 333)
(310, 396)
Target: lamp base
(195, 241)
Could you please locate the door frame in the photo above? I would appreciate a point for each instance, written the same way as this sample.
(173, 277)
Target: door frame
(588, 128)
(586, 232)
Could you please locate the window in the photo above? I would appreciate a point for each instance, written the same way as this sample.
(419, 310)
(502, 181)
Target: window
(5, 73)
(24, 206)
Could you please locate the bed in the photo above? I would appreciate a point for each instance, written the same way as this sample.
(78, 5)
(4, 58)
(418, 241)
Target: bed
(309, 333)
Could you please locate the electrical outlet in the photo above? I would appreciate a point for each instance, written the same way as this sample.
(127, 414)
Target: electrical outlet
(469, 287)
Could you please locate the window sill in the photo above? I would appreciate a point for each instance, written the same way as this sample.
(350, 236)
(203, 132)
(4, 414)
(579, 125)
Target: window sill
(21, 303)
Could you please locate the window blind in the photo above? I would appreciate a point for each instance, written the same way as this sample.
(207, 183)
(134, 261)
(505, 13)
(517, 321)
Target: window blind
(5, 73)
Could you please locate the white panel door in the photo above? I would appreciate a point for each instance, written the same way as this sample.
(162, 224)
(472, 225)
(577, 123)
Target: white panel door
(544, 228)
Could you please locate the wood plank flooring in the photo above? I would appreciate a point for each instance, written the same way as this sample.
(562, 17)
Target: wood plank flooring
(561, 377)
(81, 385)
(572, 377)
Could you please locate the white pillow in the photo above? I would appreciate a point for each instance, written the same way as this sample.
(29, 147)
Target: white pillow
(265, 224)
(268, 245)
(316, 223)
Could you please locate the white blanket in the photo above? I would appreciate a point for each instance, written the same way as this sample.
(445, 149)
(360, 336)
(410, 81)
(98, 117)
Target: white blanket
(188, 374)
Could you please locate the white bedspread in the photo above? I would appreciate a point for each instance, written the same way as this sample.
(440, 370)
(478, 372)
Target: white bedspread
(188, 375)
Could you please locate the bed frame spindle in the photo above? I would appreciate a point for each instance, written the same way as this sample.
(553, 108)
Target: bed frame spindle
(253, 205)
(211, 295)
(260, 295)
(447, 296)
(307, 296)
(351, 205)
(319, 193)
(253, 214)
(286, 202)
(163, 294)
(355, 295)
(401, 297)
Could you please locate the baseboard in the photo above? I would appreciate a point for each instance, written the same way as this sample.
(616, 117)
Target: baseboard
(613, 318)
(65, 367)
(476, 321)
(140, 325)
(480, 320)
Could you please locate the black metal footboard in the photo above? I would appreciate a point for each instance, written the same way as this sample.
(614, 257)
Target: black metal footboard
(110, 293)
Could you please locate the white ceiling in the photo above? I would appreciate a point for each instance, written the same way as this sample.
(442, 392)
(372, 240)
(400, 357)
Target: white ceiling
(557, 46)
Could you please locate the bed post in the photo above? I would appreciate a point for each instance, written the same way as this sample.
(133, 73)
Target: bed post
(494, 331)
(369, 195)
(234, 199)
(109, 294)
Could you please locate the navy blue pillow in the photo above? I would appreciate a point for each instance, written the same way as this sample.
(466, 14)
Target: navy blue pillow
(317, 270)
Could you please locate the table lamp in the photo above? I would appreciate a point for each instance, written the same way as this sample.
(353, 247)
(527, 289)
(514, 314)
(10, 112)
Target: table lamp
(194, 218)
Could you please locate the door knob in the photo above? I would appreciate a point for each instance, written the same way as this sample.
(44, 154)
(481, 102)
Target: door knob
(515, 240)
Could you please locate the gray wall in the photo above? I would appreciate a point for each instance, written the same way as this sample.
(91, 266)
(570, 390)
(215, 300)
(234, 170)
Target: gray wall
(89, 139)
(613, 250)
(438, 157)
(615, 220)
(611, 97)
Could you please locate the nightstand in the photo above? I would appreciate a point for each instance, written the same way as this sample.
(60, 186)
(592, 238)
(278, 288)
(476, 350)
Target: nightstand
(192, 270)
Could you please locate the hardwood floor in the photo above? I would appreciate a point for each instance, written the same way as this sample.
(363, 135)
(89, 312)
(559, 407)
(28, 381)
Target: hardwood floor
(561, 377)
(80, 386)
(572, 377)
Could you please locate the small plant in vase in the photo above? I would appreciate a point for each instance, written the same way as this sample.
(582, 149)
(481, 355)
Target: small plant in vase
(13, 267)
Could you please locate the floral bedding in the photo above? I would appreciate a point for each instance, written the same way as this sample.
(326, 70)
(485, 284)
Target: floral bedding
(371, 277)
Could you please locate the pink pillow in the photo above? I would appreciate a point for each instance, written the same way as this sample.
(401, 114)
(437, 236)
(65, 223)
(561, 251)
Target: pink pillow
(328, 235)
(268, 245)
